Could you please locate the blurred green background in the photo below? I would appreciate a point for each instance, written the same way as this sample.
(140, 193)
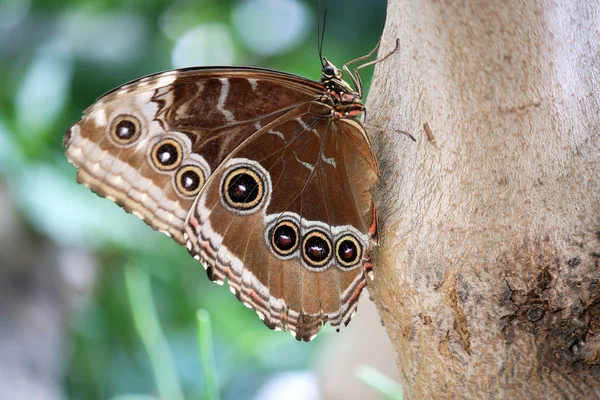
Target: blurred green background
(56, 58)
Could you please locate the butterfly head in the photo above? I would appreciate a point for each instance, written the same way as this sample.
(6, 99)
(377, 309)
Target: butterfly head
(330, 71)
(346, 100)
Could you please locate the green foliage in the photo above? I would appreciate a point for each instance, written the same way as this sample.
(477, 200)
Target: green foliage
(57, 58)
(205, 344)
(389, 388)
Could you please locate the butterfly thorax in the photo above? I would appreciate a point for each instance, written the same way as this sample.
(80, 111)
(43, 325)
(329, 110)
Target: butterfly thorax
(346, 102)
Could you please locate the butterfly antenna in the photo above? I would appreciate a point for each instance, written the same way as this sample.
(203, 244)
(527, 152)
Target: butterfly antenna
(321, 33)
(319, 30)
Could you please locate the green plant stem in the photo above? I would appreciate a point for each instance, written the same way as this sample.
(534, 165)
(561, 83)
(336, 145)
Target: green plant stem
(378, 381)
(207, 359)
(148, 327)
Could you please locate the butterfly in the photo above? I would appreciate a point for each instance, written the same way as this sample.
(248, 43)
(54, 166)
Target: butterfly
(264, 176)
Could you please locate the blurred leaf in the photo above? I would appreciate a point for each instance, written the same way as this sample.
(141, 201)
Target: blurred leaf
(71, 214)
(292, 385)
(10, 153)
(180, 16)
(44, 90)
(12, 13)
(289, 18)
(205, 353)
(207, 44)
(134, 397)
(150, 331)
(109, 37)
(378, 381)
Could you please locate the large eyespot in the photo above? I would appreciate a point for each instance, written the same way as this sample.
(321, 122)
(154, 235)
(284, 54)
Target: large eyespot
(167, 155)
(243, 189)
(348, 251)
(316, 249)
(125, 129)
(285, 238)
(189, 180)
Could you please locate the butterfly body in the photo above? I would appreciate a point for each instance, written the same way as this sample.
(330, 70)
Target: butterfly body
(264, 177)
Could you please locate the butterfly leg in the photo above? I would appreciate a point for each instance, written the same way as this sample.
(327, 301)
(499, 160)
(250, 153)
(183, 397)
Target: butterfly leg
(355, 76)
(377, 128)
(365, 56)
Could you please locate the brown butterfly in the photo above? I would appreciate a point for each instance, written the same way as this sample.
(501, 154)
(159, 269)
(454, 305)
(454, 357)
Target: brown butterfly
(263, 175)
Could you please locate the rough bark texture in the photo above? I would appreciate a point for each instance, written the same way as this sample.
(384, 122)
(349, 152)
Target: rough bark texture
(488, 271)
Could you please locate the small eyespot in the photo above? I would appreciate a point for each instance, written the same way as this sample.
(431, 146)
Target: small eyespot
(125, 129)
(189, 180)
(167, 155)
(348, 251)
(285, 238)
(243, 189)
(316, 249)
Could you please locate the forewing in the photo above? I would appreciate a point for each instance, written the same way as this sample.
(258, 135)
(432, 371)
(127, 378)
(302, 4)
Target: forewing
(185, 123)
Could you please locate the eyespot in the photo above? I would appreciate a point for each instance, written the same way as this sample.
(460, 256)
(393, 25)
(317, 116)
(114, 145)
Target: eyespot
(189, 180)
(167, 154)
(125, 129)
(348, 251)
(316, 249)
(285, 237)
(243, 189)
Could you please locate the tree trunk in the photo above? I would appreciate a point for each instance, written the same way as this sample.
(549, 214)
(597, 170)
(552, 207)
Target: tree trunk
(487, 275)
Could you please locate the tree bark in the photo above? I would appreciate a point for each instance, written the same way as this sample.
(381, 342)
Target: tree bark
(487, 275)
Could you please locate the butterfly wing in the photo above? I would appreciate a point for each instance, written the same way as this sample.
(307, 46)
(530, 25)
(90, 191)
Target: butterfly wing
(297, 246)
(151, 144)
(164, 148)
